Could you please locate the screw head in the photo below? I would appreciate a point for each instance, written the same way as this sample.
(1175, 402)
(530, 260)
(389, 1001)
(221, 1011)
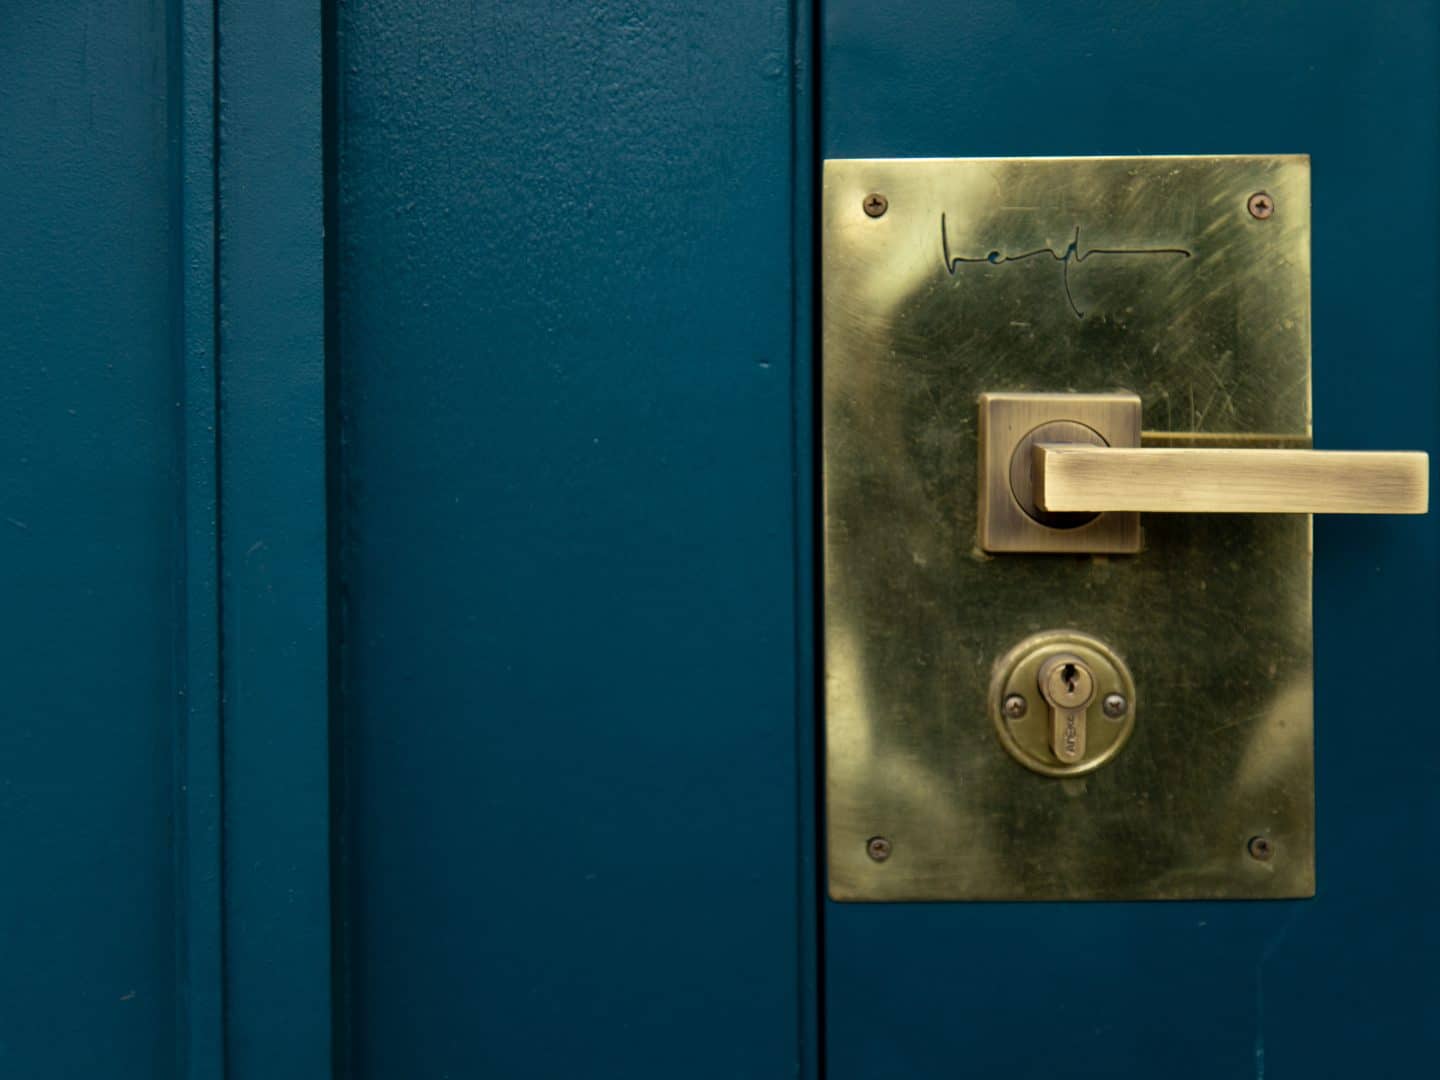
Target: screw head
(1260, 848)
(1016, 706)
(875, 204)
(1115, 706)
(878, 848)
(1261, 206)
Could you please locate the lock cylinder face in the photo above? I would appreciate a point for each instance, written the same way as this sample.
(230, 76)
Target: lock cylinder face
(1063, 702)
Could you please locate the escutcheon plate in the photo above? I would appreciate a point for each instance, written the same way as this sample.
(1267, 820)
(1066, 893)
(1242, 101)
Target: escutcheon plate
(1146, 275)
(1026, 737)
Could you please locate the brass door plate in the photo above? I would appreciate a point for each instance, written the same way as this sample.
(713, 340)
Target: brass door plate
(1152, 276)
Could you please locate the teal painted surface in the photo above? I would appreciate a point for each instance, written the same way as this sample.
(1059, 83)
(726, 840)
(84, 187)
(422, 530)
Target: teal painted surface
(1342, 985)
(164, 747)
(91, 544)
(198, 821)
(272, 539)
(570, 522)
(566, 342)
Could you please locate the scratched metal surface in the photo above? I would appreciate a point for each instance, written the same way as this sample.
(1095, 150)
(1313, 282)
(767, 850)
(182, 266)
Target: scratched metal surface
(1140, 274)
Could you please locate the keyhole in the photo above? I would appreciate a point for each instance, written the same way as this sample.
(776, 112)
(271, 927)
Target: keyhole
(1070, 675)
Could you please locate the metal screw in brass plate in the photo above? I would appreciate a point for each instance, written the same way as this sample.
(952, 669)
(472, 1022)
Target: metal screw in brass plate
(1261, 206)
(1077, 675)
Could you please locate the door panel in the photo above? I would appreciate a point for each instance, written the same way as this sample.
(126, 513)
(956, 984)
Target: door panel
(1333, 986)
(91, 545)
(567, 255)
(570, 824)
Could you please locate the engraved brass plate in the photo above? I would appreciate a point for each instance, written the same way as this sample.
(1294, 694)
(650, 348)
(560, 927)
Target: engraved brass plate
(1142, 275)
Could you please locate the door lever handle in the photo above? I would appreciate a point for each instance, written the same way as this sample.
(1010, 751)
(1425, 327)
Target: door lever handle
(1072, 473)
(1087, 478)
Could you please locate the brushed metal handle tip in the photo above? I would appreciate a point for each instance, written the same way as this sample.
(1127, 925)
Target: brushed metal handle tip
(1083, 478)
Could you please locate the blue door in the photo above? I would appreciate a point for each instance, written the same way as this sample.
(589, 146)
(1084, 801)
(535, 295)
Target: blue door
(1340, 984)
(410, 522)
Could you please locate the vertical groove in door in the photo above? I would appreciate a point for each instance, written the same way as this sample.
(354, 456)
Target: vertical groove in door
(330, 110)
(198, 847)
(806, 165)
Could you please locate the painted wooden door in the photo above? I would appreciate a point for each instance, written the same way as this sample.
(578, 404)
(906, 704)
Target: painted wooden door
(1335, 986)
(409, 557)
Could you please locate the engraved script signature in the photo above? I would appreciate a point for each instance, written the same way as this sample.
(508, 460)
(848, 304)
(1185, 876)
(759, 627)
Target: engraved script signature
(1073, 253)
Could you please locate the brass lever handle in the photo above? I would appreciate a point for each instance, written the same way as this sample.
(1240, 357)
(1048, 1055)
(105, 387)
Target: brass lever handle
(1082, 477)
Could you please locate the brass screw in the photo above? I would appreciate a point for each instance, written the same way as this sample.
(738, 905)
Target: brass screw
(876, 204)
(1115, 705)
(1260, 848)
(1261, 206)
(878, 848)
(1016, 706)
